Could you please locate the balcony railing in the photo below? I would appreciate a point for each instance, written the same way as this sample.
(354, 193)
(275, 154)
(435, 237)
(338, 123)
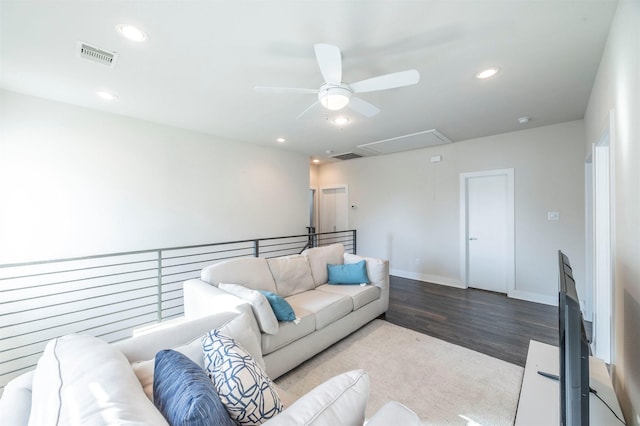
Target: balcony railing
(110, 295)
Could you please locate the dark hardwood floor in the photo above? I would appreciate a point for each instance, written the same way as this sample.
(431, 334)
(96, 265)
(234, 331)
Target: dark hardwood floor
(484, 321)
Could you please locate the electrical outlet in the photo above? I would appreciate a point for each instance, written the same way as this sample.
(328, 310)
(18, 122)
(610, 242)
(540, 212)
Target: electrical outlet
(553, 215)
(417, 261)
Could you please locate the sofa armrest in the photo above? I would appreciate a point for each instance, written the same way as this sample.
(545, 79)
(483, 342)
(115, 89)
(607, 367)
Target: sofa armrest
(394, 413)
(202, 299)
(378, 273)
(341, 400)
(377, 269)
(15, 403)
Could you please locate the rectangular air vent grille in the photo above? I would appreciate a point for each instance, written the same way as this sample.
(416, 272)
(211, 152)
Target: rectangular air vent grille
(408, 142)
(346, 156)
(98, 55)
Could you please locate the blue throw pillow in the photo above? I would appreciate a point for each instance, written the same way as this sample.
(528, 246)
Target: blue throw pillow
(351, 273)
(184, 394)
(281, 308)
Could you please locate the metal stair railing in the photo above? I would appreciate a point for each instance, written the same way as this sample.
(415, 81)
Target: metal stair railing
(110, 295)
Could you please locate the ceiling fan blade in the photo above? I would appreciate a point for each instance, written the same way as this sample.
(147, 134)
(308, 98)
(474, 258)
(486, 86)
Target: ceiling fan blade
(387, 81)
(363, 107)
(309, 108)
(268, 89)
(330, 62)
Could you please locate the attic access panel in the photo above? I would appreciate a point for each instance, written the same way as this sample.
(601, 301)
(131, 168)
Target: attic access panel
(407, 142)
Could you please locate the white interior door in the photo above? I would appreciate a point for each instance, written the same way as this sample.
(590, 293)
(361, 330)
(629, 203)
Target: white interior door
(488, 230)
(334, 212)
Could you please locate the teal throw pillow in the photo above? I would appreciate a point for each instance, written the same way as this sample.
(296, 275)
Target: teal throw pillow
(350, 273)
(281, 308)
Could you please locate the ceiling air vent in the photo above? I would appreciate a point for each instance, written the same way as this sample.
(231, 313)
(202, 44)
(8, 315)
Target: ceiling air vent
(346, 156)
(98, 55)
(417, 140)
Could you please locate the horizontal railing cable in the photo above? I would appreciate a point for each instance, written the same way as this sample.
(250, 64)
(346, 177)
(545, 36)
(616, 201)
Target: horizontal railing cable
(110, 295)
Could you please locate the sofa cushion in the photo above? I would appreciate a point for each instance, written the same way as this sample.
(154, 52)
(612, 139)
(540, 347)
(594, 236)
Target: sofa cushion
(267, 321)
(360, 294)
(238, 328)
(341, 400)
(244, 388)
(83, 380)
(350, 273)
(320, 257)
(281, 308)
(292, 274)
(184, 394)
(376, 268)
(290, 331)
(327, 307)
(251, 272)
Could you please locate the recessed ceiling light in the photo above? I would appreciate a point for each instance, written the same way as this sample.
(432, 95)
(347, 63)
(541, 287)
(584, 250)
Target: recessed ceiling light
(281, 140)
(107, 96)
(489, 72)
(131, 32)
(316, 160)
(341, 121)
(523, 120)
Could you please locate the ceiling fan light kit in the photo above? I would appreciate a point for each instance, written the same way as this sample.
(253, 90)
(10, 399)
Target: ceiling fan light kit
(334, 98)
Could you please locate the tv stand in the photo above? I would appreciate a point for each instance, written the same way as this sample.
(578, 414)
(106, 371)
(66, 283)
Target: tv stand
(539, 402)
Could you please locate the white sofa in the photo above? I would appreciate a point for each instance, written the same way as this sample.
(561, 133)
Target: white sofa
(81, 380)
(326, 312)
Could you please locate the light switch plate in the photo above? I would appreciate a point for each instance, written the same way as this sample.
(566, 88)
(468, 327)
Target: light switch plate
(553, 215)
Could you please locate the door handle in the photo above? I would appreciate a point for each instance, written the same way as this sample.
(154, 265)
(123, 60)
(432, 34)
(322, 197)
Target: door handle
(472, 238)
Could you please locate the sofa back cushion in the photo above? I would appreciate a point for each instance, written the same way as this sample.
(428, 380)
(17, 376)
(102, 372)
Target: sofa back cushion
(320, 257)
(250, 272)
(292, 274)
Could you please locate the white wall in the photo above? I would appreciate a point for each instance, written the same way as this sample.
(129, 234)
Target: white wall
(408, 207)
(617, 88)
(74, 181)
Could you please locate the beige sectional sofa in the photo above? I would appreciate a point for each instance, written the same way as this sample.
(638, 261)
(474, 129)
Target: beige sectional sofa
(67, 373)
(103, 384)
(326, 313)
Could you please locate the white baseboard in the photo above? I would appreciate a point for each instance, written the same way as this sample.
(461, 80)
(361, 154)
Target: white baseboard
(534, 297)
(435, 279)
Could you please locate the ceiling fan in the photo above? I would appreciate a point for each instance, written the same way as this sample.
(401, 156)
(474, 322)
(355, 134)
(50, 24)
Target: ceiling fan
(335, 94)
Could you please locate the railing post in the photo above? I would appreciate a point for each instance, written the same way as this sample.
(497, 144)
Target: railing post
(256, 248)
(159, 296)
(355, 242)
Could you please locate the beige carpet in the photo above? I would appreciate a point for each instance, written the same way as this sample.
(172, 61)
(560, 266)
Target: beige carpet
(443, 383)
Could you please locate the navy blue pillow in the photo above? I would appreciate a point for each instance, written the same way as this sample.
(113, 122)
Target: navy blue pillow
(350, 273)
(281, 308)
(184, 394)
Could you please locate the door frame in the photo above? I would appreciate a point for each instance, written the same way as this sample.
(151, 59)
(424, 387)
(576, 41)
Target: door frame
(602, 243)
(321, 203)
(509, 224)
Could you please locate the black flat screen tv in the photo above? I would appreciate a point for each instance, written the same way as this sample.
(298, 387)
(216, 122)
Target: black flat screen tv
(574, 351)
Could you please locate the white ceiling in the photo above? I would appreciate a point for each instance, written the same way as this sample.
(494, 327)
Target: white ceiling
(202, 59)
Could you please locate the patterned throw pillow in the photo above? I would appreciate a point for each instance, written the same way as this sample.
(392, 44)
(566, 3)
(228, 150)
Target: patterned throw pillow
(243, 387)
(184, 394)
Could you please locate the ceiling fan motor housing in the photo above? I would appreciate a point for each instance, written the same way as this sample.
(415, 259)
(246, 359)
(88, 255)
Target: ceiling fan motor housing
(334, 97)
